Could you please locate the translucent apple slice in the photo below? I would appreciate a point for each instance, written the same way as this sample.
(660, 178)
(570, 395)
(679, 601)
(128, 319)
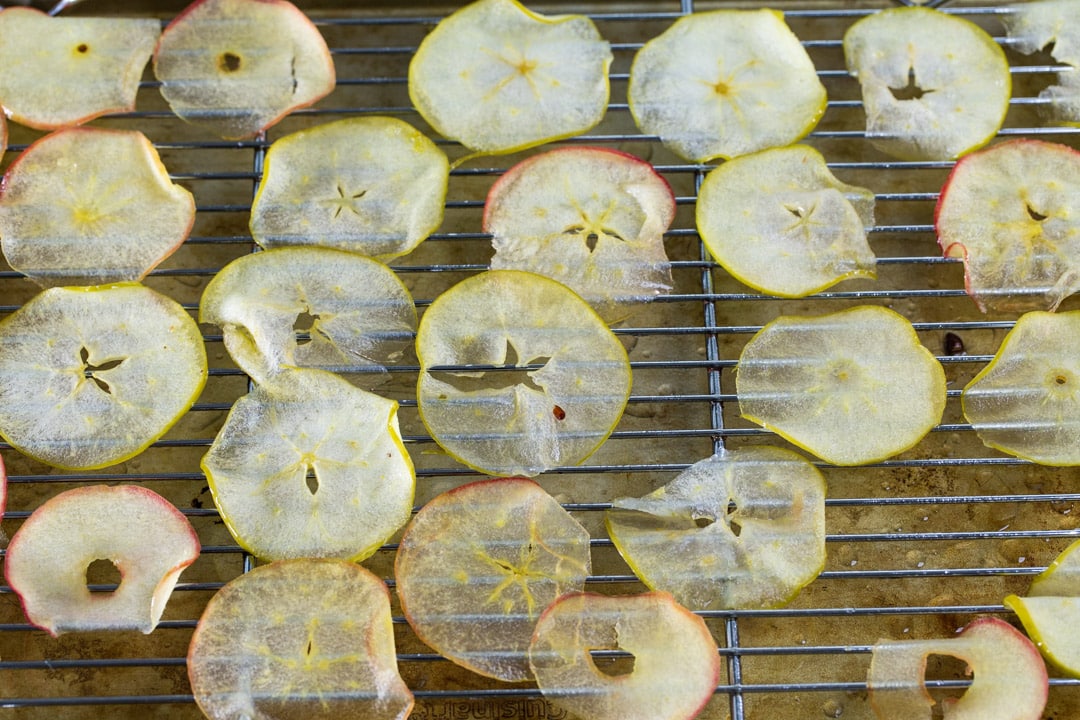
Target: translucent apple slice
(91, 376)
(1012, 212)
(372, 185)
(361, 315)
(298, 639)
(934, 86)
(63, 71)
(499, 78)
(47, 559)
(236, 67)
(676, 664)
(591, 218)
(725, 83)
(1010, 681)
(87, 206)
(477, 566)
(851, 387)
(780, 222)
(742, 529)
(1033, 26)
(1051, 611)
(560, 383)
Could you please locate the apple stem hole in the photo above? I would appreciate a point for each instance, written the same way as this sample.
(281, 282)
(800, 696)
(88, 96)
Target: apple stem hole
(229, 62)
(102, 572)
(82, 48)
(1035, 214)
(911, 91)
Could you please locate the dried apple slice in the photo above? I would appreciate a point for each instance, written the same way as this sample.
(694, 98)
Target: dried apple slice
(47, 559)
(851, 387)
(1032, 26)
(518, 421)
(934, 86)
(62, 71)
(498, 78)
(91, 376)
(298, 639)
(372, 185)
(477, 566)
(591, 218)
(1051, 611)
(780, 222)
(676, 662)
(308, 465)
(742, 529)
(1010, 681)
(236, 67)
(1012, 212)
(725, 83)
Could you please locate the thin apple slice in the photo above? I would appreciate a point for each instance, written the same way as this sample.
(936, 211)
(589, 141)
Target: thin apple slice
(1051, 611)
(477, 566)
(236, 67)
(742, 529)
(298, 639)
(935, 86)
(1012, 213)
(47, 559)
(1033, 26)
(780, 222)
(725, 83)
(498, 78)
(63, 71)
(676, 662)
(851, 387)
(370, 185)
(1010, 681)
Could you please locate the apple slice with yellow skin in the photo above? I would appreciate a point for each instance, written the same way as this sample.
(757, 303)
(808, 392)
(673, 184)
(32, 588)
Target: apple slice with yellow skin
(1033, 26)
(1051, 610)
(148, 540)
(236, 67)
(477, 566)
(1010, 681)
(298, 639)
(676, 662)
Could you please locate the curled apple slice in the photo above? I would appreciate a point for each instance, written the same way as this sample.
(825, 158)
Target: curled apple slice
(236, 67)
(1051, 611)
(298, 639)
(725, 83)
(499, 78)
(1010, 681)
(1034, 26)
(934, 86)
(477, 566)
(372, 185)
(47, 559)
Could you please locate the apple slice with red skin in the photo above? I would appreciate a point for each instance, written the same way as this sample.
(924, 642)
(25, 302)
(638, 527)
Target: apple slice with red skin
(48, 557)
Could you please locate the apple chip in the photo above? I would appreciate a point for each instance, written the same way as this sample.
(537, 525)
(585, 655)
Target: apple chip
(560, 382)
(1012, 212)
(742, 529)
(851, 387)
(591, 218)
(1033, 26)
(91, 376)
(725, 83)
(148, 540)
(298, 639)
(1051, 611)
(781, 223)
(371, 185)
(477, 566)
(934, 86)
(499, 78)
(308, 465)
(236, 67)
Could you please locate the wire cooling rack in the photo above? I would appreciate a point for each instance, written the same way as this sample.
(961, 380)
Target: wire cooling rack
(918, 545)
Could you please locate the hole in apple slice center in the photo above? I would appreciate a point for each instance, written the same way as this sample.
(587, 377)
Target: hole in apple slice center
(102, 572)
(311, 479)
(911, 91)
(945, 667)
(304, 327)
(513, 374)
(613, 663)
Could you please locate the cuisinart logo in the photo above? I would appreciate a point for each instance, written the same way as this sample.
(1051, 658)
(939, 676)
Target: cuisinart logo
(524, 709)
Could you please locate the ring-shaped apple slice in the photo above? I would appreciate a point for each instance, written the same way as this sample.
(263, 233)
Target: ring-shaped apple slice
(851, 387)
(1051, 610)
(1033, 26)
(518, 374)
(298, 639)
(934, 86)
(148, 540)
(780, 222)
(371, 185)
(499, 78)
(477, 566)
(91, 376)
(725, 83)
(742, 529)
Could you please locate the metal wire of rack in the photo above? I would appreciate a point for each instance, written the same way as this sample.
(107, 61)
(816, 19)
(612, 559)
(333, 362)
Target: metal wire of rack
(918, 545)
